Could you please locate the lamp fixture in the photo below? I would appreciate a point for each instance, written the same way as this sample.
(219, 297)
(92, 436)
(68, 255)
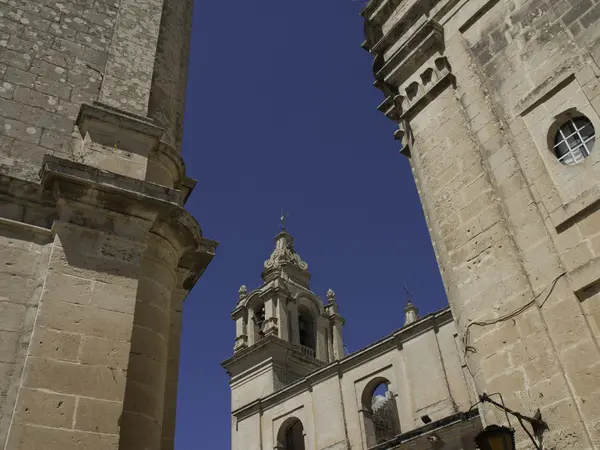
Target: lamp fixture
(495, 437)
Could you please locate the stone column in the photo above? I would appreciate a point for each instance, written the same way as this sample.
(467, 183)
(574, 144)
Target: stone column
(337, 322)
(73, 387)
(283, 319)
(338, 343)
(172, 377)
(293, 312)
(143, 409)
(321, 324)
(253, 330)
(330, 342)
(271, 327)
(241, 336)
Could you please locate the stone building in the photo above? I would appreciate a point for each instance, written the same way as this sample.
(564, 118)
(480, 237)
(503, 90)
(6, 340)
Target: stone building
(293, 387)
(497, 103)
(97, 253)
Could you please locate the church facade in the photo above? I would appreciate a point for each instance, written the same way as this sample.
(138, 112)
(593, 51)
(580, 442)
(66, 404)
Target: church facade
(294, 388)
(97, 252)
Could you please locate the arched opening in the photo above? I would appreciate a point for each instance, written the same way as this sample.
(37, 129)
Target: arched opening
(306, 328)
(380, 412)
(259, 322)
(291, 435)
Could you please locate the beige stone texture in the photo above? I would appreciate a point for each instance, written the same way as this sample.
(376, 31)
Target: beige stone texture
(94, 237)
(522, 285)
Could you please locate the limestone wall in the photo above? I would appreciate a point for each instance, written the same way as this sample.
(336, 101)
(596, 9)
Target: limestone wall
(425, 378)
(54, 56)
(25, 253)
(514, 230)
(97, 253)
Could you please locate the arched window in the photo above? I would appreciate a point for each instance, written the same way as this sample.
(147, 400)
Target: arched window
(380, 413)
(574, 140)
(259, 322)
(291, 435)
(306, 328)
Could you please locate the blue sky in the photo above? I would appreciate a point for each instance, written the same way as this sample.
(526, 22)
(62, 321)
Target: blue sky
(281, 109)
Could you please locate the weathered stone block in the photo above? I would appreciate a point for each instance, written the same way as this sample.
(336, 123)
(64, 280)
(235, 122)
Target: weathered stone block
(55, 344)
(75, 379)
(36, 99)
(45, 409)
(20, 77)
(12, 316)
(29, 437)
(85, 320)
(67, 288)
(147, 342)
(144, 400)
(9, 344)
(98, 415)
(105, 352)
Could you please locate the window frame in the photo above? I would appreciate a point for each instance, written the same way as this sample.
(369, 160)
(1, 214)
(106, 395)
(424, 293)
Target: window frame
(581, 150)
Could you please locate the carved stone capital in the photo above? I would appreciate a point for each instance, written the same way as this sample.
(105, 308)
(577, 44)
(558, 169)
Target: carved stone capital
(241, 342)
(270, 327)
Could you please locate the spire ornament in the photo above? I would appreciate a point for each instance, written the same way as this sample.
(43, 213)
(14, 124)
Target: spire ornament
(411, 312)
(284, 253)
(282, 217)
(243, 291)
(331, 296)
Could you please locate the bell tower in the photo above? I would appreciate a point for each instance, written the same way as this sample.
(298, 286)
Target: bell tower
(284, 331)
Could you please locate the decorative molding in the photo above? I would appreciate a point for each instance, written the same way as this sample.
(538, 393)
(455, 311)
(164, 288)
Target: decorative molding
(114, 127)
(433, 81)
(412, 51)
(424, 324)
(284, 253)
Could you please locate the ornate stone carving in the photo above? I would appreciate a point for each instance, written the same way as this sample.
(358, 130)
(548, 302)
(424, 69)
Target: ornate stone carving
(330, 296)
(243, 291)
(284, 253)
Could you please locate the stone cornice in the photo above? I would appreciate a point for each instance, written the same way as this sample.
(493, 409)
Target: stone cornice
(268, 347)
(81, 176)
(430, 322)
(36, 234)
(158, 204)
(117, 117)
(412, 51)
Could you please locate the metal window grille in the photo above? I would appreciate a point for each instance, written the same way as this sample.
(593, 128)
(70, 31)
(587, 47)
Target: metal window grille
(574, 141)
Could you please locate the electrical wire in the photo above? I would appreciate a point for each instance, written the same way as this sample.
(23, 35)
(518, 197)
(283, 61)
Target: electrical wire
(504, 318)
(511, 315)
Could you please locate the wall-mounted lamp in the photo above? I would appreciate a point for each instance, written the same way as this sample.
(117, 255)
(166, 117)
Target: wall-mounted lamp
(495, 437)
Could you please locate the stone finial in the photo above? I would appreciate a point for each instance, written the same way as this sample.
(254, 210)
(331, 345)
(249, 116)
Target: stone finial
(411, 313)
(331, 296)
(243, 291)
(284, 253)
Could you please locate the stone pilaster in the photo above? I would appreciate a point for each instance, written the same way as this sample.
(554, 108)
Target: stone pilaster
(99, 354)
(172, 373)
(73, 385)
